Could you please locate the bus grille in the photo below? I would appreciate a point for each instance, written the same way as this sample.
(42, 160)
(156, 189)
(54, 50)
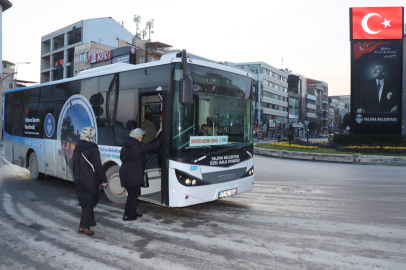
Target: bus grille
(7, 149)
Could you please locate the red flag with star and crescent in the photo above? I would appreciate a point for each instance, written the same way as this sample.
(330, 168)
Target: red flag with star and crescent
(377, 23)
(361, 48)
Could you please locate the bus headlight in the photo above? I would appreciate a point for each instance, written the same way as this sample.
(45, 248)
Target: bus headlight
(250, 172)
(186, 179)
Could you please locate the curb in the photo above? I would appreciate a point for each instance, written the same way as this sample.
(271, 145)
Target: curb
(334, 158)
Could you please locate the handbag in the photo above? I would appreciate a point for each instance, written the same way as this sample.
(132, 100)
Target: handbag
(91, 165)
(145, 184)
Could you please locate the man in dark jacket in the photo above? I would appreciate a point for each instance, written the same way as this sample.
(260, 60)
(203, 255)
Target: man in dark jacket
(88, 174)
(377, 95)
(132, 169)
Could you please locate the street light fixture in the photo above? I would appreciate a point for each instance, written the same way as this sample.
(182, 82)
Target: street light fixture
(15, 78)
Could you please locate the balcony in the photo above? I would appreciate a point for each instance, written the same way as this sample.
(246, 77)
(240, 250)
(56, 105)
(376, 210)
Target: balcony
(311, 115)
(311, 106)
(311, 97)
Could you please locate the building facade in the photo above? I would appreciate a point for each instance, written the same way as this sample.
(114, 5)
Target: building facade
(84, 51)
(341, 106)
(297, 89)
(8, 76)
(8, 83)
(331, 118)
(317, 107)
(272, 105)
(92, 55)
(58, 48)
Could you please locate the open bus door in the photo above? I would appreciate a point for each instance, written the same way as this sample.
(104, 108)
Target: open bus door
(152, 102)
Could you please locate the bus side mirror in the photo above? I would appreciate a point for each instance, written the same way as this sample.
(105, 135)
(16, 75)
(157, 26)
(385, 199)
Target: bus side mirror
(185, 91)
(186, 86)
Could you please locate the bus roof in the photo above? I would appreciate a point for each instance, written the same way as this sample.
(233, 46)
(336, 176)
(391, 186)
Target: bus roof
(122, 67)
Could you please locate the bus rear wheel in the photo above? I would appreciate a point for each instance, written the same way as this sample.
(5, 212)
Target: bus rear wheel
(114, 192)
(33, 165)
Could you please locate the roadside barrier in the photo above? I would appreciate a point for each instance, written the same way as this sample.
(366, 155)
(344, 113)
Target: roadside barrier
(335, 158)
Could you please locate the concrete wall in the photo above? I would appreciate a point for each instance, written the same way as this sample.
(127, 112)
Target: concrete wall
(335, 158)
(106, 31)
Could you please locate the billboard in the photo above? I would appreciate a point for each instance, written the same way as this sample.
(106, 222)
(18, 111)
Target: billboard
(376, 69)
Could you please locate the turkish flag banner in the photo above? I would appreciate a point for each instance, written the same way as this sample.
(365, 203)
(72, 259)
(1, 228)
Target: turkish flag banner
(377, 23)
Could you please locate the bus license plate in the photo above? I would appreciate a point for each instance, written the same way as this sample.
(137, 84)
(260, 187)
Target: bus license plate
(227, 193)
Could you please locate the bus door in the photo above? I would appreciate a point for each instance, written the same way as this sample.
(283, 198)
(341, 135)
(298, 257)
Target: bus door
(51, 148)
(16, 133)
(151, 102)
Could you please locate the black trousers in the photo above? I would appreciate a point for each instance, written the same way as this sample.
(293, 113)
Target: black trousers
(131, 204)
(87, 218)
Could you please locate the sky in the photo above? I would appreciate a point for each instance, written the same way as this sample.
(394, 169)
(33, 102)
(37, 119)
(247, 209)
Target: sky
(312, 37)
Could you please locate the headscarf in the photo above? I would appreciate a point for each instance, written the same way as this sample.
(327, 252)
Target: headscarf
(88, 134)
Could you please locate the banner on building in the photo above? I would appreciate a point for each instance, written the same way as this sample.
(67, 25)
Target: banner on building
(376, 69)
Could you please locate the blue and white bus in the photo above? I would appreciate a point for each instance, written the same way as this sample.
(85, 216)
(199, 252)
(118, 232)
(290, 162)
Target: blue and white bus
(42, 125)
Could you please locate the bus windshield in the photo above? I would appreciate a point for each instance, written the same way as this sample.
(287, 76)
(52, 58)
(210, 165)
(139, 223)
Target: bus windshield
(221, 114)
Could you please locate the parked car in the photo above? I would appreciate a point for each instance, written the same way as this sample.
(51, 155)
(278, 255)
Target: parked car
(324, 135)
(330, 136)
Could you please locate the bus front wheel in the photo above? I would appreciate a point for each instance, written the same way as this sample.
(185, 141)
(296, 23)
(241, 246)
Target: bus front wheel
(33, 166)
(114, 192)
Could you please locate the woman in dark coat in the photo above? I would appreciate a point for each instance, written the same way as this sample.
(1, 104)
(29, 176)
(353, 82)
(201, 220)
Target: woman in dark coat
(132, 169)
(88, 174)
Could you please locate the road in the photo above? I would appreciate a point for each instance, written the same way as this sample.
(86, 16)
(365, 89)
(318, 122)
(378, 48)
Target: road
(300, 215)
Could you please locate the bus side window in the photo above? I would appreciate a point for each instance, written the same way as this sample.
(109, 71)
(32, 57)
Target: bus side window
(16, 120)
(8, 113)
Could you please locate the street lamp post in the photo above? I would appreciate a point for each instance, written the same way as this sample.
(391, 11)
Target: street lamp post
(15, 78)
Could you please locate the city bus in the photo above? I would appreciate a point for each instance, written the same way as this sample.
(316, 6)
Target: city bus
(42, 124)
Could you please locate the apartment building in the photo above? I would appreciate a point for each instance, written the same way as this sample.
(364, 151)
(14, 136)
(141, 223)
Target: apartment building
(58, 47)
(331, 118)
(99, 52)
(297, 89)
(9, 80)
(92, 55)
(317, 107)
(342, 106)
(272, 108)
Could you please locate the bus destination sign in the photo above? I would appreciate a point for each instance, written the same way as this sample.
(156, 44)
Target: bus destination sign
(207, 140)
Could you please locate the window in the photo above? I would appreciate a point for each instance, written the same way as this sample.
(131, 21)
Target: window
(82, 57)
(11, 85)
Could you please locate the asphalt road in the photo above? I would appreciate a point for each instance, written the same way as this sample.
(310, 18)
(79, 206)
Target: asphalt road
(300, 215)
